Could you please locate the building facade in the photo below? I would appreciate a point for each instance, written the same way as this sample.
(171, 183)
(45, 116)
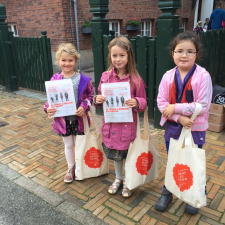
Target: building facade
(27, 18)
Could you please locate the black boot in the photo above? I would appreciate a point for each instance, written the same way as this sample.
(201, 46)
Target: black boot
(163, 202)
(190, 209)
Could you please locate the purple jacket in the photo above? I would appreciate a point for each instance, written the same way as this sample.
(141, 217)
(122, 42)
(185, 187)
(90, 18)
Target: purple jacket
(85, 91)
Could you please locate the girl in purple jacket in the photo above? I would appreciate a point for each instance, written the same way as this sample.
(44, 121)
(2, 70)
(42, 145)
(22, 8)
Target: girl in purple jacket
(116, 137)
(69, 126)
(179, 89)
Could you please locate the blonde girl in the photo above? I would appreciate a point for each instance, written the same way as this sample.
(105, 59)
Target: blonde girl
(69, 126)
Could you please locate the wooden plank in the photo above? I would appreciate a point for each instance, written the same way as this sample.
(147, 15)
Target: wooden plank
(49, 58)
(151, 78)
(45, 56)
(42, 67)
(133, 43)
(216, 56)
(28, 57)
(142, 56)
(3, 59)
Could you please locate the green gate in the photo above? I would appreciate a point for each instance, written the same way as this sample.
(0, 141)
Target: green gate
(32, 60)
(24, 61)
(213, 43)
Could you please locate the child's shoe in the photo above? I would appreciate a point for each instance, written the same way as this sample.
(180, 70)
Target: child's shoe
(165, 199)
(114, 188)
(126, 193)
(70, 174)
(190, 209)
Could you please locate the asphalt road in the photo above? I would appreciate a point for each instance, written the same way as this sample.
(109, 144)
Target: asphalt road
(20, 207)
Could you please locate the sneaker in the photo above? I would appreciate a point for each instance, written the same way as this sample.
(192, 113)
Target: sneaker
(165, 199)
(190, 209)
(70, 174)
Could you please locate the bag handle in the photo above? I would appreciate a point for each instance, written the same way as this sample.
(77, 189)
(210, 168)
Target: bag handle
(198, 108)
(186, 133)
(93, 116)
(146, 126)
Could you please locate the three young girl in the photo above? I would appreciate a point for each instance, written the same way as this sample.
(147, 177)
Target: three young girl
(69, 126)
(179, 89)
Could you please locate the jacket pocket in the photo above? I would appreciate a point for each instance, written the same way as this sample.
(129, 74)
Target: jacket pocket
(189, 96)
(105, 129)
(126, 133)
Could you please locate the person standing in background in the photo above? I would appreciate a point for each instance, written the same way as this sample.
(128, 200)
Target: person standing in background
(198, 27)
(216, 18)
(205, 27)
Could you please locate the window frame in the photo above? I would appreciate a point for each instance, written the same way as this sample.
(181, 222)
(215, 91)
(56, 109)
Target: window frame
(144, 30)
(111, 25)
(12, 26)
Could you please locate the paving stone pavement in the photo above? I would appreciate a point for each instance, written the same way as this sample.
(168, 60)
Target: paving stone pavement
(30, 147)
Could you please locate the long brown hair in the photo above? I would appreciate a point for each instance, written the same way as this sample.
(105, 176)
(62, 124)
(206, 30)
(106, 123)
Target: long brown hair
(124, 43)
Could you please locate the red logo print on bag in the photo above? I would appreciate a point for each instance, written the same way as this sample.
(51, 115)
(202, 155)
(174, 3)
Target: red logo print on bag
(144, 163)
(93, 158)
(182, 176)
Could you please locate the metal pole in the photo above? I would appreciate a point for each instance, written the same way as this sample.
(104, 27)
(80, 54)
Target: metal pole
(77, 33)
(71, 22)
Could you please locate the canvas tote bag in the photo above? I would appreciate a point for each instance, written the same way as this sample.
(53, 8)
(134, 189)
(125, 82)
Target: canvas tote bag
(186, 168)
(141, 165)
(90, 158)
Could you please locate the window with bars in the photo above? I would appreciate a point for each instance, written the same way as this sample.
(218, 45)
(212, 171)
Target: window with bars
(13, 28)
(146, 28)
(115, 25)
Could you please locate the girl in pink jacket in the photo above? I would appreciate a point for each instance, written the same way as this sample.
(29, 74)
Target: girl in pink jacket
(116, 137)
(179, 89)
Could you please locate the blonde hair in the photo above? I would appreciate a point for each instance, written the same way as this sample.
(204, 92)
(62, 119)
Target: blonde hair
(124, 43)
(199, 23)
(69, 49)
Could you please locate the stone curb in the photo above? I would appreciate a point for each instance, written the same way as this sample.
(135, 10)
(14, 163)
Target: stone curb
(54, 199)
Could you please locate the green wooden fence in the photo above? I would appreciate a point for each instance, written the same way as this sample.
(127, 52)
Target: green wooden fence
(3, 63)
(144, 48)
(33, 61)
(213, 43)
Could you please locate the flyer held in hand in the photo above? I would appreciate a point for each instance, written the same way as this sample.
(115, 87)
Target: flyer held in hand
(60, 96)
(115, 109)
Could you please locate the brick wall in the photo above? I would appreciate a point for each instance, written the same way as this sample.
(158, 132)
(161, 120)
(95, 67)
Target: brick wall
(32, 17)
(144, 10)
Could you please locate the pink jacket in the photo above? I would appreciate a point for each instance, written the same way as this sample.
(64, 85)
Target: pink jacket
(120, 135)
(202, 93)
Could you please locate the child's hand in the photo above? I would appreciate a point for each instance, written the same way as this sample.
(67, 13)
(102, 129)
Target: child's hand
(51, 111)
(99, 99)
(169, 111)
(186, 121)
(131, 103)
(80, 111)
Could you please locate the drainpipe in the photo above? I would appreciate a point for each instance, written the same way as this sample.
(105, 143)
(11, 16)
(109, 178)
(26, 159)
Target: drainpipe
(77, 33)
(71, 22)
